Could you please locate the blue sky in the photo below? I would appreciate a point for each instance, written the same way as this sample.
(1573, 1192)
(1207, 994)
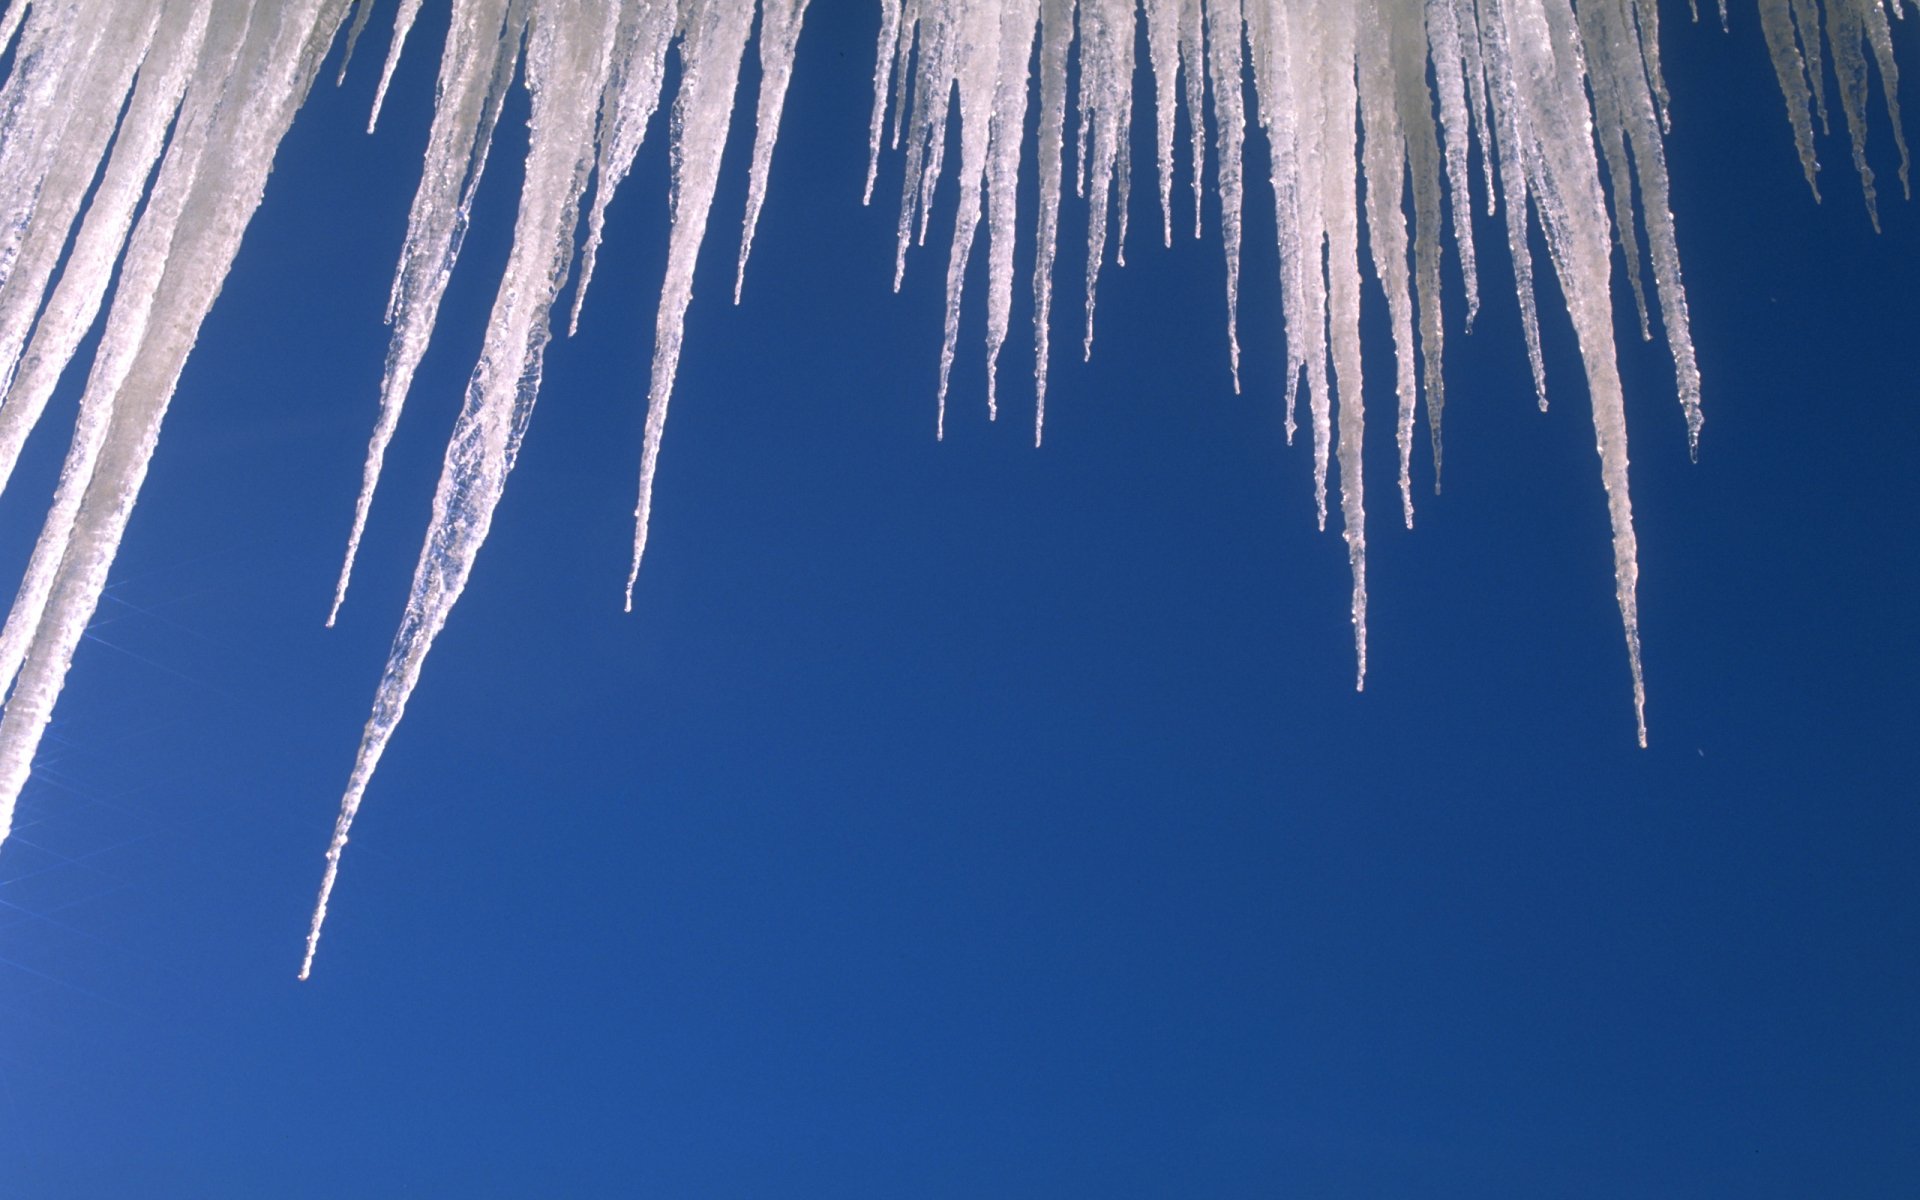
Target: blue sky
(956, 819)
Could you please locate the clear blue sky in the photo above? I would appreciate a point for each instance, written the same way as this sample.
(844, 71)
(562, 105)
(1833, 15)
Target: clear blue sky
(956, 819)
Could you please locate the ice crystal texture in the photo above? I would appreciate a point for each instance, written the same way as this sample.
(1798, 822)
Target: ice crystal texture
(136, 137)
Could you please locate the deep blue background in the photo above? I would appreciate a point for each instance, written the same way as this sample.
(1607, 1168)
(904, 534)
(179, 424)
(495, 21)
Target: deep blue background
(956, 819)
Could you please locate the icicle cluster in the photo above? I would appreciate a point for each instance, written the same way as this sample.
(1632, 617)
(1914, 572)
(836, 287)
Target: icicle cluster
(1373, 111)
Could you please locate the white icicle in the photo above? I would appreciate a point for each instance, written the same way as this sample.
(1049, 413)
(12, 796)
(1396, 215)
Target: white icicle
(1193, 68)
(568, 46)
(1106, 92)
(1383, 166)
(779, 32)
(703, 111)
(482, 49)
(403, 19)
(1229, 114)
(1056, 38)
(975, 68)
(882, 70)
(88, 271)
(1333, 27)
(207, 191)
(1163, 52)
(1449, 72)
(108, 74)
(1019, 22)
(632, 97)
(135, 141)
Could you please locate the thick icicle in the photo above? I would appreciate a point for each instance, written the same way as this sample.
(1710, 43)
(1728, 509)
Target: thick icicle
(208, 188)
(88, 271)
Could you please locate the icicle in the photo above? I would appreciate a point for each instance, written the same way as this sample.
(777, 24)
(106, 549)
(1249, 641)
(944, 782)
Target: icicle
(702, 113)
(142, 135)
(108, 73)
(483, 47)
(1383, 166)
(1456, 119)
(568, 48)
(1511, 136)
(779, 32)
(1019, 22)
(1425, 173)
(975, 69)
(83, 284)
(1056, 38)
(10, 23)
(1334, 34)
(632, 96)
(1776, 22)
(207, 189)
(1193, 68)
(403, 19)
(882, 68)
(1106, 91)
(1163, 52)
(363, 9)
(1229, 114)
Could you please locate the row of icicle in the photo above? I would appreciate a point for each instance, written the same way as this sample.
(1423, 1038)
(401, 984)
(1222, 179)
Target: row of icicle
(172, 110)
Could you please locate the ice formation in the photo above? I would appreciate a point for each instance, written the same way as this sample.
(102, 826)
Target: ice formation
(136, 137)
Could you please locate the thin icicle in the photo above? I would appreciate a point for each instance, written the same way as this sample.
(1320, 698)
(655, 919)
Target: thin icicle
(1193, 68)
(1229, 114)
(363, 9)
(1790, 68)
(1334, 58)
(779, 32)
(482, 49)
(1456, 120)
(1056, 39)
(882, 70)
(569, 44)
(702, 113)
(627, 108)
(1106, 92)
(403, 19)
(1163, 52)
(1512, 133)
(1425, 174)
(10, 23)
